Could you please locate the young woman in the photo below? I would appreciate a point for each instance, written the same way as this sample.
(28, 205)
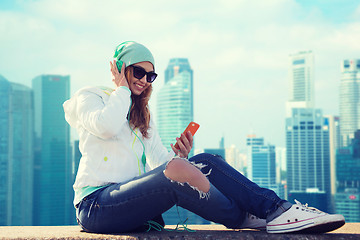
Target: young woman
(126, 177)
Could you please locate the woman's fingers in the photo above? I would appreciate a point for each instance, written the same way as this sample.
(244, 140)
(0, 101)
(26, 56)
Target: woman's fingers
(118, 76)
(176, 151)
(184, 145)
(123, 68)
(189, 137)
(185, 142)
(181, 150)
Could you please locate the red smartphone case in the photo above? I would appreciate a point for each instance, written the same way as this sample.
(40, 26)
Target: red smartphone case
(192, 127)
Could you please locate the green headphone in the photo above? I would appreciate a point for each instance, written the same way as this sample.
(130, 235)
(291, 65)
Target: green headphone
(143, 157)
(131, 52)
(117, 55)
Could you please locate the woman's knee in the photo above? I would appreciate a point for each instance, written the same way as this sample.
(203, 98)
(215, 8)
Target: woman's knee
(180, 170)
(206, 158)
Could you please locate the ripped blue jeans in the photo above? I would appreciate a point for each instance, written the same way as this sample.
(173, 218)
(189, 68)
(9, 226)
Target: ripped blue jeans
(127, 206)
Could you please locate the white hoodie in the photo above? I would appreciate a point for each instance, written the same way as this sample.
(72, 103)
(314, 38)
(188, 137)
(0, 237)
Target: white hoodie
(110, 151)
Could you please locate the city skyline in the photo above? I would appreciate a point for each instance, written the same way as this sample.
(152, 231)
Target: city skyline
(45, 86)
(239, 49)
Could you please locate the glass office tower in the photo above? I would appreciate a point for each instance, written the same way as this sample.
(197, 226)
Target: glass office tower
(175, 101)
(334, 143)
(301, 81)
(347, 203)
(234, 158)
(349, 100)
(52, 183)
(308, 158)
(16, 153)
(348, 165)
(174, 113)
(261, 164)
(347, 198)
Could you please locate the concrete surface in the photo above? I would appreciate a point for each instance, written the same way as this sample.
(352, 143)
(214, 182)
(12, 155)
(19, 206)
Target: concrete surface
(349, 231)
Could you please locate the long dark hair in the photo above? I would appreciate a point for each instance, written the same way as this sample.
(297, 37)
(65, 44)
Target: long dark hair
(139, 111)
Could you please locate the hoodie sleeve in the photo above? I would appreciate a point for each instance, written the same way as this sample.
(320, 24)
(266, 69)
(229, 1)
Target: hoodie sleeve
(156, 152)
(103, 119)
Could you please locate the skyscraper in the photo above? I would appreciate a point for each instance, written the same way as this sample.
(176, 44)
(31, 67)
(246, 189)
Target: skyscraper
(280, 153)
(301, 81)
(349, 99)
(218, 151)
(308, 158)
(52, 183)
(347, 197)
(262, 164)
(347, 203)
(175, 101)
(281, 178)
(16, 153)
(334, 143)
(232, 156)
(174, 113)
(307, 138)
(348, 165)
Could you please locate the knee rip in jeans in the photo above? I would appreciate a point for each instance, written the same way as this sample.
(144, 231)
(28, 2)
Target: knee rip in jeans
(202, 194)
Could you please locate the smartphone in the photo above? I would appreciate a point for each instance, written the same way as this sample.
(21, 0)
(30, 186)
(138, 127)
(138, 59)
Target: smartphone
(192, 127)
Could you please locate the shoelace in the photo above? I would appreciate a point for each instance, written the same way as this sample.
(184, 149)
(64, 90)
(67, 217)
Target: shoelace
(307, 207)
(250, 216)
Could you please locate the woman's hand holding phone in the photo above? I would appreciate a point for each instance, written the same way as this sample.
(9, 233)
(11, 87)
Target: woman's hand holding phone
(184, 144)
(118, 77)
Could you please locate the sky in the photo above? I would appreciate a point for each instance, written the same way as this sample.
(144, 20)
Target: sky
(239, 52)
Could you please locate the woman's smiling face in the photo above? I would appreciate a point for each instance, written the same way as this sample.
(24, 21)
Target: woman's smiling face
(137, 86)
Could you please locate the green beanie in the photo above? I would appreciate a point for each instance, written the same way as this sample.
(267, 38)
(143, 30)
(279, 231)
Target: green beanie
(131, 52)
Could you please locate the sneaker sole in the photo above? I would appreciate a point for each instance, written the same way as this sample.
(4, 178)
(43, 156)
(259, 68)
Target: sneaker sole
(323, 228)
(319, 228)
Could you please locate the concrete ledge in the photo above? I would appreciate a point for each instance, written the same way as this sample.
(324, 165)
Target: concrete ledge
(348, 232)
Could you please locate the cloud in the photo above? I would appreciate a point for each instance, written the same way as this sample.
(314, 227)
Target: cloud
(238, 50)
(356, 15)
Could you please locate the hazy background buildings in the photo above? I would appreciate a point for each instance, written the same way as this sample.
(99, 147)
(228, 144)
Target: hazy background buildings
(16, 153)
(240, 50)
(53, 160)
(349, 99)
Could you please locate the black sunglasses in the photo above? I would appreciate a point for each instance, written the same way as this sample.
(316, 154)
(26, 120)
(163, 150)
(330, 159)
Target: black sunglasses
(139, 73)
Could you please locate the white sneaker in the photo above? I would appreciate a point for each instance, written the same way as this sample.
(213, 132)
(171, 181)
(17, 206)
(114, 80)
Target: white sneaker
(301, 218)
(253, 222)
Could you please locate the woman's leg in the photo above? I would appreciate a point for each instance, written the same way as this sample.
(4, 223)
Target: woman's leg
(261, 202)
(281, 215)
(180, 170)
(127, 206)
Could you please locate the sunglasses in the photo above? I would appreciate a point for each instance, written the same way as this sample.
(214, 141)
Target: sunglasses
(139, 73)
